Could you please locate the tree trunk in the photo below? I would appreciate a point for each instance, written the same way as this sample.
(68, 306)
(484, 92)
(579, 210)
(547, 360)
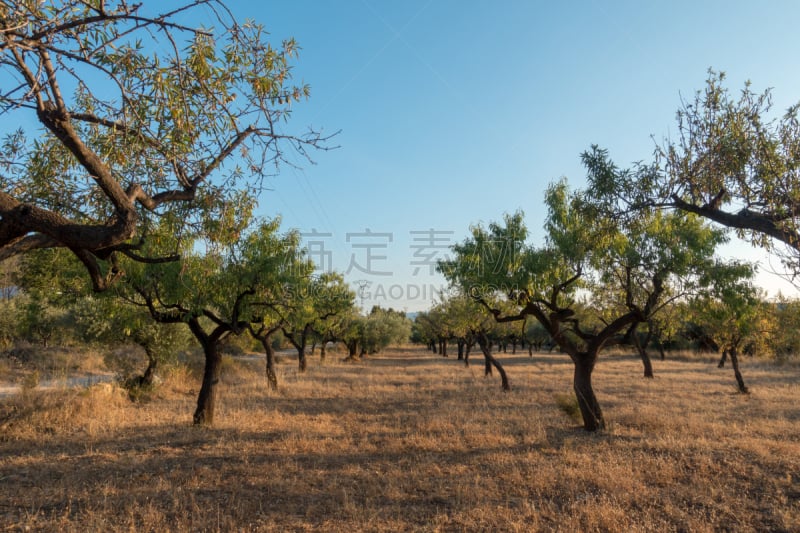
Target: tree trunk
(443, 347)
(514, 347)
(503, 376)
(149, 375)
(491, 361)
(660, 346)
(207, 399)
(641, 347)
(299, 339)
(264, 336)
(722, 359)
(587, 401)
(272, 377)
(735, 364)
(648, 365)
(322, 351)
(460, 345)
(352, 349)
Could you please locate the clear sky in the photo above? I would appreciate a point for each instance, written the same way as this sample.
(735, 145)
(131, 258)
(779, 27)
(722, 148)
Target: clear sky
(455, 112)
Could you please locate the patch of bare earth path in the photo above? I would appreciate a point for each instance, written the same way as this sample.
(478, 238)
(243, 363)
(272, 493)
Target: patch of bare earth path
(409, 441)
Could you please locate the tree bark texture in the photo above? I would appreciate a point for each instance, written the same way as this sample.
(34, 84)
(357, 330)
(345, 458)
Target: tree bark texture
(272, 377)
(735, 364)
(149, 376)
(587, 401)
(301, 358)
(490, 362)
(207, 399)
(641, 347)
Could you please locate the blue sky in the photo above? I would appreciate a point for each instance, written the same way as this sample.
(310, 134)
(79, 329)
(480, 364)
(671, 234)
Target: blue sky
(455, 112)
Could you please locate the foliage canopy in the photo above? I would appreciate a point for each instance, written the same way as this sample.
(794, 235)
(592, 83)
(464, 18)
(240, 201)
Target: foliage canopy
(140, 117)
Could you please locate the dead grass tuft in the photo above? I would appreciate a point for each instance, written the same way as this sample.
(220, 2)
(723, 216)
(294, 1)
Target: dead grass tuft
(37, 414)
(568, 403)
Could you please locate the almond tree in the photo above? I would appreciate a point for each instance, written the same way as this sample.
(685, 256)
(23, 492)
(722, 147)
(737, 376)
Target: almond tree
(461, 316)
(587, 252)
(262, 330)
(425, 330)
(110, 320)
(287, 269)
(313, 301)
(135, 114)
(297, 297)
(217, 293)
(469, 322)
(730, 315)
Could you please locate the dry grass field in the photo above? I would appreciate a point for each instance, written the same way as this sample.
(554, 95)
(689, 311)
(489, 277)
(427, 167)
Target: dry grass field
(408, 441)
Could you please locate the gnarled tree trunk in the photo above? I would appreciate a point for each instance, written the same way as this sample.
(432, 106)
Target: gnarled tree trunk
(264, 336)
(490, 361)
(582, 383)
(299, 340)
(207, 399)
(641, 347)
(149, 376)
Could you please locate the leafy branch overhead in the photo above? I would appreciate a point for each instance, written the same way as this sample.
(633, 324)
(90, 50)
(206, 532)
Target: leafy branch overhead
(141, 116)
(732, 161)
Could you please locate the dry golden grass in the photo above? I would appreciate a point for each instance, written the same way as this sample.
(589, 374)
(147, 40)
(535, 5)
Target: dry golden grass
(407, 441)
(28, 365)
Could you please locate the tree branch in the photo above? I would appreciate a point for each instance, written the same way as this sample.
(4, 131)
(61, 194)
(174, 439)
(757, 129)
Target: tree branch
(745, 219)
